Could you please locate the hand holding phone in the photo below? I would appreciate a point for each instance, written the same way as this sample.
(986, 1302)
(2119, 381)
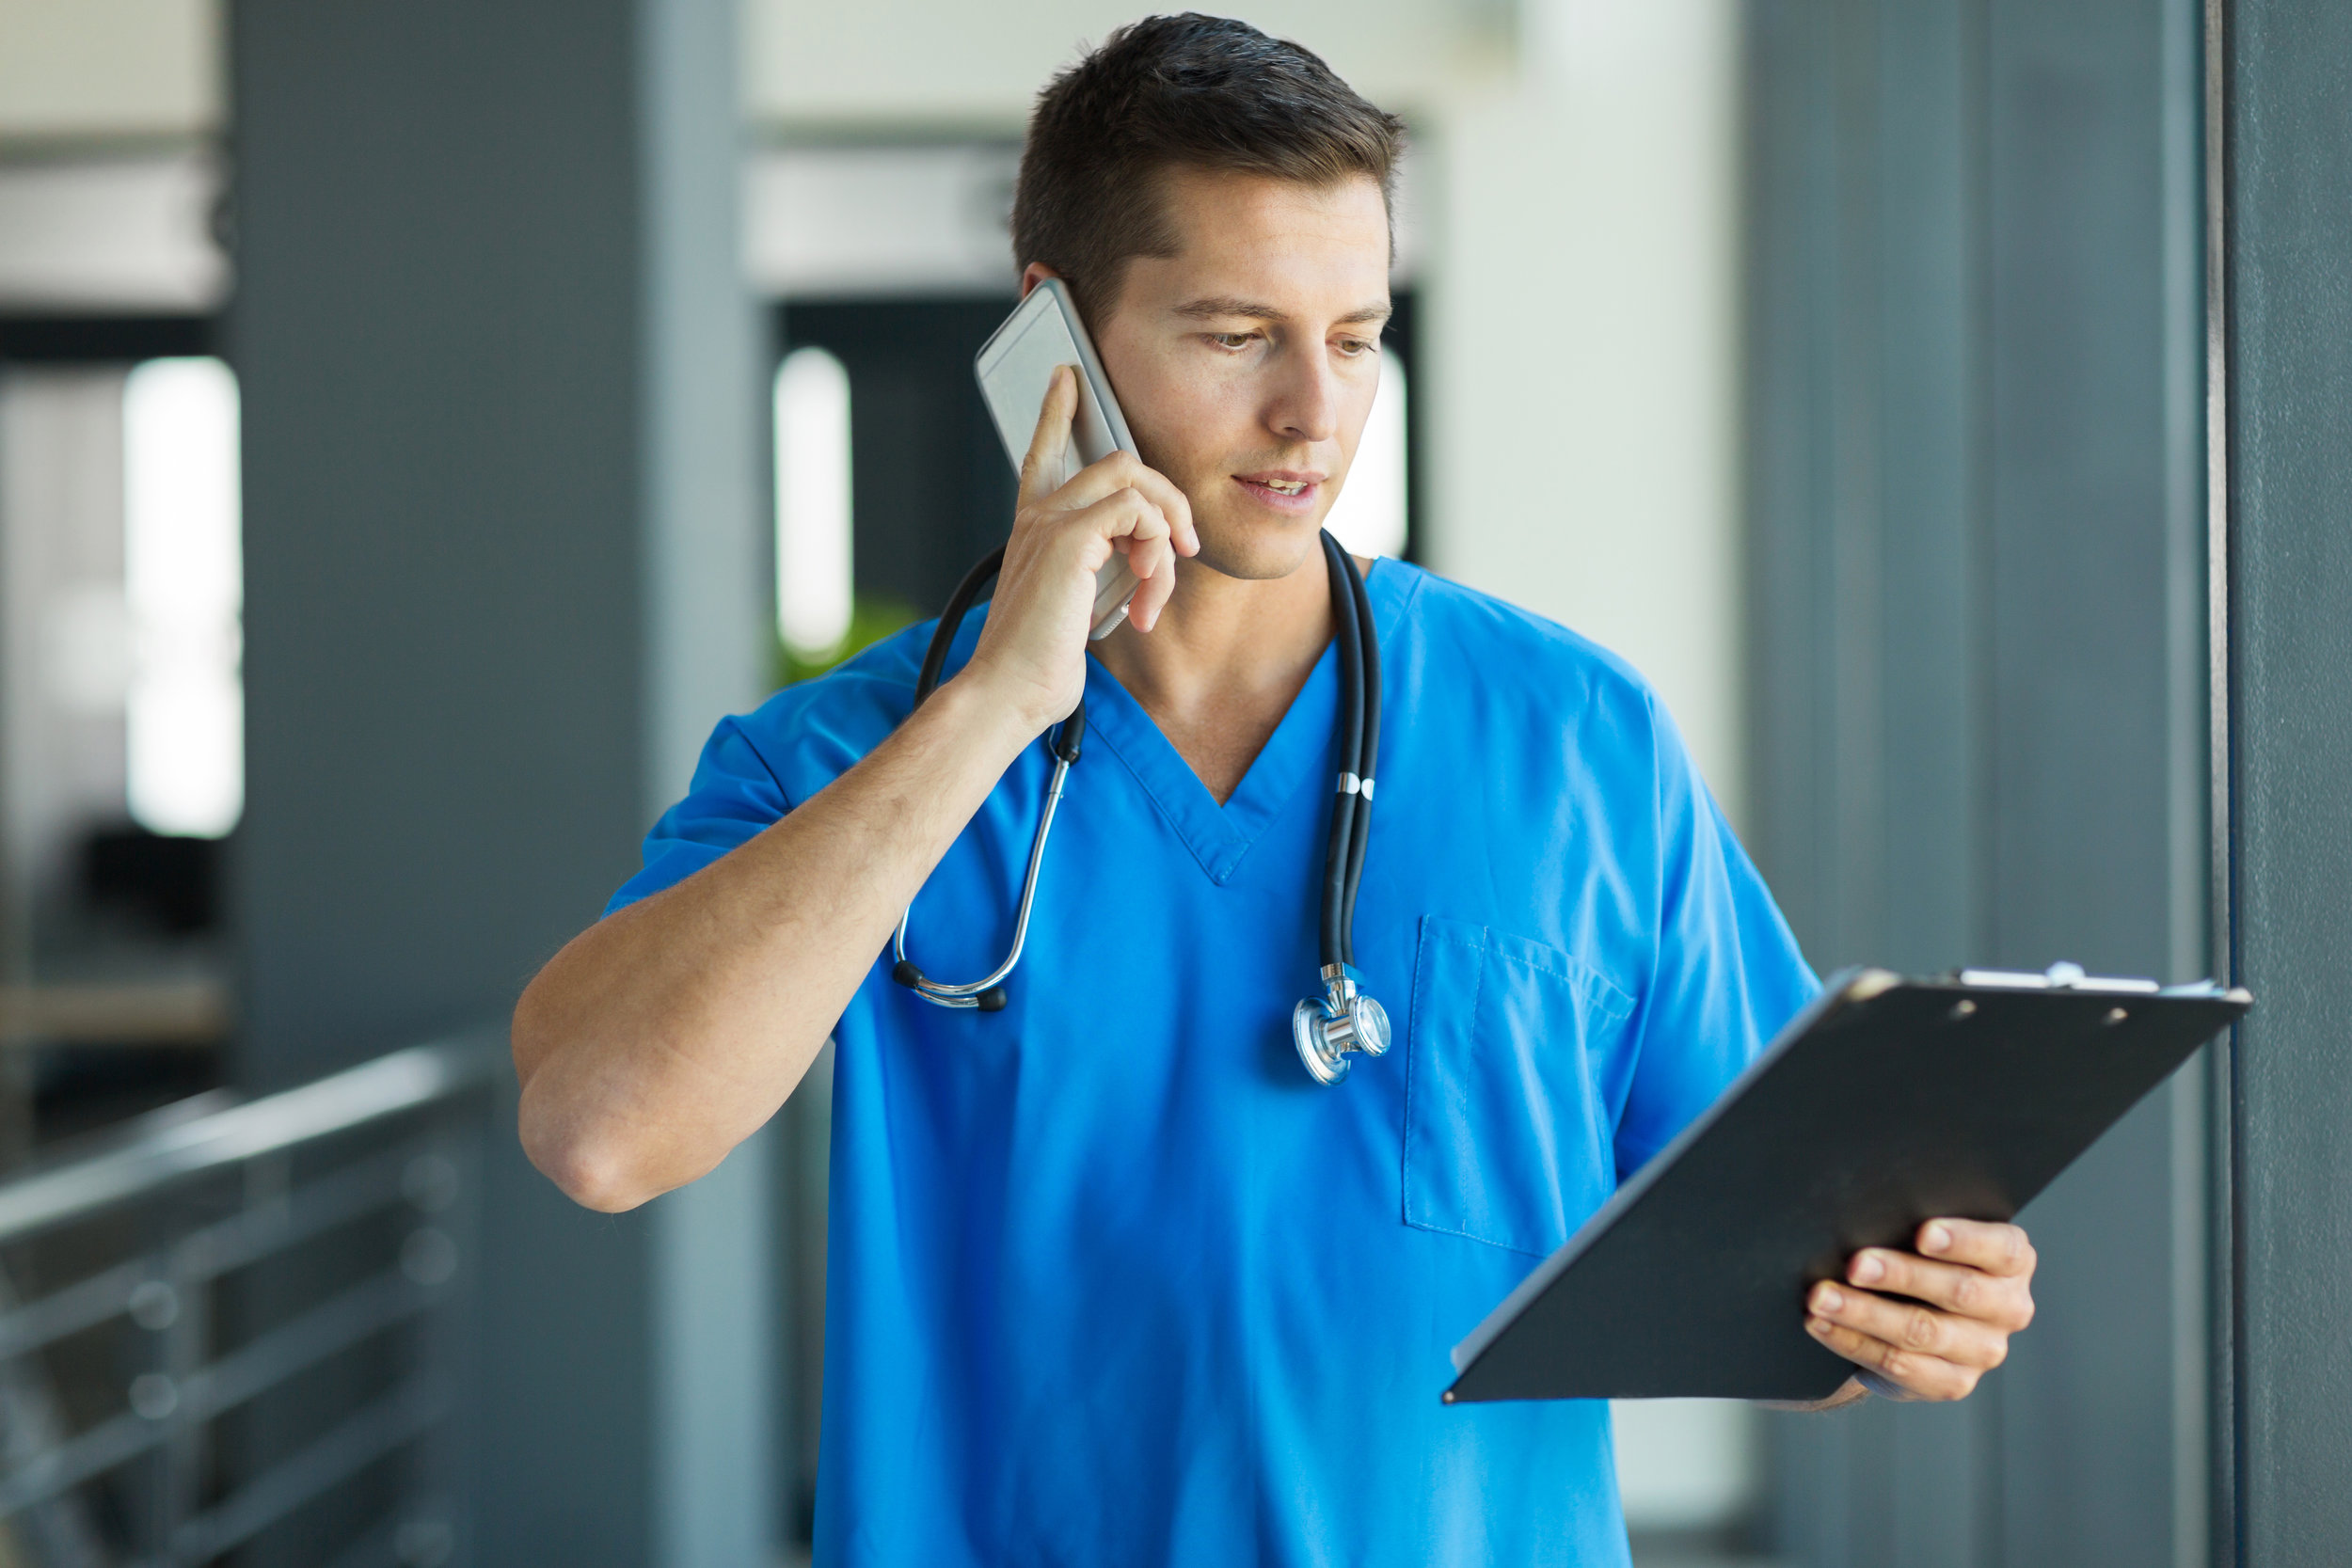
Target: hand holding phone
(1032, 645)
(1015, 368)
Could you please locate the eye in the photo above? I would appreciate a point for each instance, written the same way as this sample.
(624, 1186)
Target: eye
(1232, 340)
(1356, 348)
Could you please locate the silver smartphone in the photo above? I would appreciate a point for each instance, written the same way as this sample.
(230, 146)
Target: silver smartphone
(1015, 369)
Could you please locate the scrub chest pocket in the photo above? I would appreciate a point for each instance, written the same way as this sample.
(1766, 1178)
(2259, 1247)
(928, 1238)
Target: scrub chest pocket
(1505, 1138)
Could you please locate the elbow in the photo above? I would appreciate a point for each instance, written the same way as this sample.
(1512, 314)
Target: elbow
(570, 1145)
(559, 1141)
(579, 1124)
(594, 1172)
(597, 1184)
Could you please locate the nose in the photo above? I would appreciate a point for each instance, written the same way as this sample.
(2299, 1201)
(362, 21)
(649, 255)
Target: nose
(1306, 405)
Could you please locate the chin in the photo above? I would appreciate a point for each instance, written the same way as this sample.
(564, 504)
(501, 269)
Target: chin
(1255, 551)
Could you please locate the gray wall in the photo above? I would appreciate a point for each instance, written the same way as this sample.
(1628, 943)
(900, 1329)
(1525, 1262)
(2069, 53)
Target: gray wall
(503, 573)
(1975, 551)
(2289, 465)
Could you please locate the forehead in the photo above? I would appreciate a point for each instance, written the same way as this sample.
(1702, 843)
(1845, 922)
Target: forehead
(1234, 230)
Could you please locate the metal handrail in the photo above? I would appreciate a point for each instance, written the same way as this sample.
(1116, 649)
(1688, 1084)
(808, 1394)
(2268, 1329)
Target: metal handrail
(386, 1087)
(405, 1205)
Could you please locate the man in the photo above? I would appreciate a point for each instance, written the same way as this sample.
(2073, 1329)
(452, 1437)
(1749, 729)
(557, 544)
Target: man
(1112, 1280)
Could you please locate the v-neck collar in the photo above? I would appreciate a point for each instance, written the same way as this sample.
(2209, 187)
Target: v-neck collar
(1298, 753)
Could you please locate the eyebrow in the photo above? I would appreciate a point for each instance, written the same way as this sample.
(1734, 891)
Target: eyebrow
(1248, 309)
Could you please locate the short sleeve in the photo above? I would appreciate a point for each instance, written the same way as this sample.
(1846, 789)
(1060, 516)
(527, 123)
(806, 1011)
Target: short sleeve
(1728, 973)
(734, 796)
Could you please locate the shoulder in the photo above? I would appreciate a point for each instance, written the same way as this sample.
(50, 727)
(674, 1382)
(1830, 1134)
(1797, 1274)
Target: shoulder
(810, 733)
(1497, 654)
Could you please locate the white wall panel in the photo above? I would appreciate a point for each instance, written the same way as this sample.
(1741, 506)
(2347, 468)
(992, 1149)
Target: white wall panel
(109, 68)
(923, 62)
(1582, 341)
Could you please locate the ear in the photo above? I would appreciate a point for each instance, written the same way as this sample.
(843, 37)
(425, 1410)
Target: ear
(1034, 274)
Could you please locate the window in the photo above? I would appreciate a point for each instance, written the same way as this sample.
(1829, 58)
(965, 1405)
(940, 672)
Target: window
(814, 595)
(184, 586)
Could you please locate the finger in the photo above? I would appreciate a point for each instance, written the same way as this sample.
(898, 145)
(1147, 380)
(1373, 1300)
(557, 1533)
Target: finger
(1129, 518)
(1041, 470)
(1152, 548)
(2005, 1302)
(1152, 596)
(1124, 470)
(1911, 1327)
(1175, 505)
(1917, 1376)
(1130, 526)
(2000, 1249)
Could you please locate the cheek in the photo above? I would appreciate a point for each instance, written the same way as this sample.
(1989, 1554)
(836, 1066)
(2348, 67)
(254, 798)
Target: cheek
(1191, 422)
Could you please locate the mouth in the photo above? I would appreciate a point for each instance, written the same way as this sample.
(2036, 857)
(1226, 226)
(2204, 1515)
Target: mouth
(1283, 492)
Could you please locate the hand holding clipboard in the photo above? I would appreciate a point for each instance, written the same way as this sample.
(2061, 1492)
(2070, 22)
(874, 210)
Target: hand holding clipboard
(1887, 1104)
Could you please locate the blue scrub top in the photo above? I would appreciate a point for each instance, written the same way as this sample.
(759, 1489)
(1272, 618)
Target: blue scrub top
(1110, 1280)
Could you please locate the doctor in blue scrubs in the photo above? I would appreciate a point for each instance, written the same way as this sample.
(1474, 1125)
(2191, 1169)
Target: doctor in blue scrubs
(1113, 1281)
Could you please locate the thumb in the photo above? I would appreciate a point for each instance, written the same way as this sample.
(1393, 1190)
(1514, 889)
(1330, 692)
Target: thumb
(1041, 469)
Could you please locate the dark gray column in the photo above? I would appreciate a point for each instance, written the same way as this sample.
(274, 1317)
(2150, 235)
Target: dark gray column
(503, 573)
(2289, 319)
(1975, 553)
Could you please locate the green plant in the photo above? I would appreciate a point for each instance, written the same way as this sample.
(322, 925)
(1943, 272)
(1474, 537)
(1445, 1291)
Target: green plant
(872, 617)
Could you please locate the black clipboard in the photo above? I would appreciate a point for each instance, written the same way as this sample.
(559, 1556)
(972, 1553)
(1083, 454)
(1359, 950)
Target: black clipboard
(1886, 1104)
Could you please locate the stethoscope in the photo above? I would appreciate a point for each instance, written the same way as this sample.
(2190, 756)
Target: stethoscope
(1345, 1017)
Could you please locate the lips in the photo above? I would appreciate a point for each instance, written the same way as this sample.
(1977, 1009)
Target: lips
(1283, 491)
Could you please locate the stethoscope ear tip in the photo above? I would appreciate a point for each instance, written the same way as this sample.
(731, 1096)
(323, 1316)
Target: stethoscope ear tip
(992, 1000)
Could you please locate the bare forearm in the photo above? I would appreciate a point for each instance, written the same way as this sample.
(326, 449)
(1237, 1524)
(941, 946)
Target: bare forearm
(665, 1034)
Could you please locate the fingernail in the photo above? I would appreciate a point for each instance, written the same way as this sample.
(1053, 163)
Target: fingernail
(1816, 1326)
(1828, 1300)
(1869, 1269)
(1935, 1239)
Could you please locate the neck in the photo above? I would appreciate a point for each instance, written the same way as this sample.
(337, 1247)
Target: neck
(1221, 668)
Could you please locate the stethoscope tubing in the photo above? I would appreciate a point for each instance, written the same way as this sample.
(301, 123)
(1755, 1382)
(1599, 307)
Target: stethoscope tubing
(1368, 758)
(975, 994)
(1347, 788)
(1361, 1024)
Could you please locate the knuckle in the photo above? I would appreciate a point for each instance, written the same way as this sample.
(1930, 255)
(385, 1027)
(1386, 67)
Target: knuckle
(1967, 1293)
(1895, 1365)
(1920, 1328)
(1997, 1352)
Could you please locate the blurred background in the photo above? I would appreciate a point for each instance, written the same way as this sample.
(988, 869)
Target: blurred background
(420, 421)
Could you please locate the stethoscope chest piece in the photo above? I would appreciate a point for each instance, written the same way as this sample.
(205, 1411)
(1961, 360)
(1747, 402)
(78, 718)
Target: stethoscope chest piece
(1342, 1020)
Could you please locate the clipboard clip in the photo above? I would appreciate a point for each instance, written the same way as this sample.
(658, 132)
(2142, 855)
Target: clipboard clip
(2059, 976)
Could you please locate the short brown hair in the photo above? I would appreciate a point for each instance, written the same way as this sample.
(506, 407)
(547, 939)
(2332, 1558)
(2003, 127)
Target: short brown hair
(1179, 91)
